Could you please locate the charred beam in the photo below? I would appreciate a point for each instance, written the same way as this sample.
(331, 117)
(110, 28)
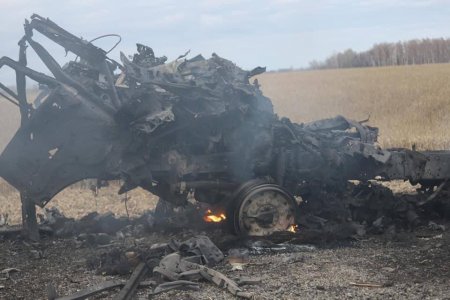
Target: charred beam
(128, 291)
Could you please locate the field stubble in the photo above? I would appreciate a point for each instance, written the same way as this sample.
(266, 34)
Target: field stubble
(410, 105)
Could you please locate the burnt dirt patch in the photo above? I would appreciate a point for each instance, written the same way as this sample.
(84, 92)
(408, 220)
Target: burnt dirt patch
(410, 265)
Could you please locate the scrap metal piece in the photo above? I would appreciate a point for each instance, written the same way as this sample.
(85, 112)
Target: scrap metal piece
(174, 267)
(176, 285)
(128, 291)
(202, 245)
(101, 287)
(41, 175)
(434, 194)
(244, 280)
(223, 281)
(95, 289)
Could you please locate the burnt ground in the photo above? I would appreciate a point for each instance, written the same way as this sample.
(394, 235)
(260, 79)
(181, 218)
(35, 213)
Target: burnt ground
(403, 257)
(406, 265)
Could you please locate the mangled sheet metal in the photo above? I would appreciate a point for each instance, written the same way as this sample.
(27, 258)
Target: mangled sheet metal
(190, 125)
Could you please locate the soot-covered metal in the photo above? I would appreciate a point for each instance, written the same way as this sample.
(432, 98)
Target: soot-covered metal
(195, 125)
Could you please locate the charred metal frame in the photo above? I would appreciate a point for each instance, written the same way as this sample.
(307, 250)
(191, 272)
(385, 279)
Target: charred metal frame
(213, 138)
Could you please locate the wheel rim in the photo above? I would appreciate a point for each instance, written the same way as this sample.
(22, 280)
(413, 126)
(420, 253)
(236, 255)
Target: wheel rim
(263, 210)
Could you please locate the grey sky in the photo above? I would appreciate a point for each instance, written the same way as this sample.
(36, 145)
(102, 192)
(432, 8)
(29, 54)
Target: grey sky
(272, 33)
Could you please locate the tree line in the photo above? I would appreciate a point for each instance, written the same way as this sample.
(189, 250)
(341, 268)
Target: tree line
(413, 52)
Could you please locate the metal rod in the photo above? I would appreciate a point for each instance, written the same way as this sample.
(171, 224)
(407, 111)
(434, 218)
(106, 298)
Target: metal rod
(9, 91)
(128, 291)
(21, 82)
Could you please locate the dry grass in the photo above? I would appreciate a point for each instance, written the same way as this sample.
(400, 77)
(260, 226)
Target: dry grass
(9, 122)
(410, 105)
(76, 202)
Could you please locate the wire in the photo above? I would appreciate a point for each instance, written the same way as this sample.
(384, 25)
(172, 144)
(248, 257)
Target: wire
(109, 35)
(126, 206)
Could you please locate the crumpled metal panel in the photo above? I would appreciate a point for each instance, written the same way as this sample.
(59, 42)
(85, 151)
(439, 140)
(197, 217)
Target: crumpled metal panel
(202, 245)
(51, 151)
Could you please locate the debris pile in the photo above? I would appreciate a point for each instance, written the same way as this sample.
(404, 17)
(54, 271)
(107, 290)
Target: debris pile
(327, 216)
(367, 208)
(173, 265)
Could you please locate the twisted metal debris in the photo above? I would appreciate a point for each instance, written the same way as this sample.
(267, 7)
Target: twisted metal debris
(193, 125)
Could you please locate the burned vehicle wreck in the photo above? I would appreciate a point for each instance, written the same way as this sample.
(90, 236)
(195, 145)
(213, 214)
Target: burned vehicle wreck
(189, 126)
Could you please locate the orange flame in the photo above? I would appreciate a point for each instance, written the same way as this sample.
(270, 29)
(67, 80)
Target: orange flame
(215, 218)
(293, 228)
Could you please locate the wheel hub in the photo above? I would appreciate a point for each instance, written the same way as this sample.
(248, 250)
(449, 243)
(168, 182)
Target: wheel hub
(264, 209)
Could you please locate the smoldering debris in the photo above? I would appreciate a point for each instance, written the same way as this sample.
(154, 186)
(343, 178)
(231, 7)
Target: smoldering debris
(193, 262)
(326, 217)
(368, 208)
(172, 265)
(193, 127)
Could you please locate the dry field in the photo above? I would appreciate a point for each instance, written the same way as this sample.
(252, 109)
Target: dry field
(410, 105)
(76, 202)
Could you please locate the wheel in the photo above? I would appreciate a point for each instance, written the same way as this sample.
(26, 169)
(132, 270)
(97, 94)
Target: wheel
(261, 209)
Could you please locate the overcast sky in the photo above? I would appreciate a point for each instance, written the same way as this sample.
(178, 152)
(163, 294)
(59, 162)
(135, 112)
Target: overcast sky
(272, 33)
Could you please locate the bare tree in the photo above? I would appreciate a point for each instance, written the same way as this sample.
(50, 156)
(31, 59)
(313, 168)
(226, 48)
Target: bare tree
(424, 51)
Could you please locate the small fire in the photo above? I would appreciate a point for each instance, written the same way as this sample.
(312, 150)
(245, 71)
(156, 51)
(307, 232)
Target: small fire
(293, 228)
(215, 218)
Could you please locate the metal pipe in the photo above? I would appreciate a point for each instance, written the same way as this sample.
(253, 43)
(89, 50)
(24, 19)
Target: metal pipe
(209, 184)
